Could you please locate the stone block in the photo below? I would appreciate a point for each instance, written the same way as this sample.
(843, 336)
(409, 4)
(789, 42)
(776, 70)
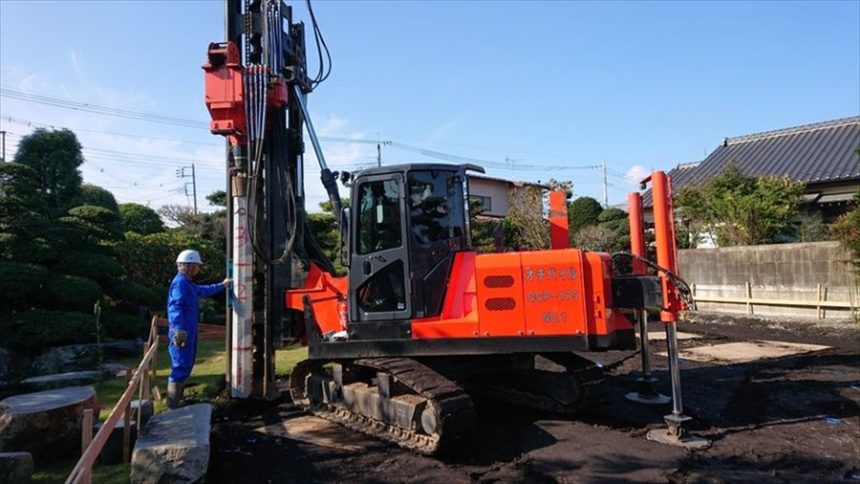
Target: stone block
(46, 424)
(61, 380)
(173, 447)
(16, 467)
(112, 451)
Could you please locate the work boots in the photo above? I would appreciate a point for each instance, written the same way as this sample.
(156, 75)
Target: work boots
(175, 392)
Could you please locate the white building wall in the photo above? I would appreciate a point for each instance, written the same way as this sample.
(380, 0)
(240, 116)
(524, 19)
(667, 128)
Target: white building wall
(497, 191)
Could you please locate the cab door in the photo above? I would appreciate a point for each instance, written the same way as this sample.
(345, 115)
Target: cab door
(379, 262)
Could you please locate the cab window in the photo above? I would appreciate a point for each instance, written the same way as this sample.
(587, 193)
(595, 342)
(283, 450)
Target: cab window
(379, 216)
(436, 206)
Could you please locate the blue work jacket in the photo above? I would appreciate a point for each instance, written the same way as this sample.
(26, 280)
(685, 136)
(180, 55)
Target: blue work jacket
(183, 313)
(183, 302)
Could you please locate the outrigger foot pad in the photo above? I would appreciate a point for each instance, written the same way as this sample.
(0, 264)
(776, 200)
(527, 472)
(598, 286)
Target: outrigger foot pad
(676, 435)
(648, 398)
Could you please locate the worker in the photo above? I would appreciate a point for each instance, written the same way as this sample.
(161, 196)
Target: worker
(182, 313)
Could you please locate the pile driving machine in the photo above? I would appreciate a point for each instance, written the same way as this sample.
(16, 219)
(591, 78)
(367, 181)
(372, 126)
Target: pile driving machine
(421, 321)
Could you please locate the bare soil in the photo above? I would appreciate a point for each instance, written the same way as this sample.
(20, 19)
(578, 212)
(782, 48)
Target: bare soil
(790, 419)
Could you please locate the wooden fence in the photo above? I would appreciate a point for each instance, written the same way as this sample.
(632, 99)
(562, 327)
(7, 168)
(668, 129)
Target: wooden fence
(820, 303)
(139, 382)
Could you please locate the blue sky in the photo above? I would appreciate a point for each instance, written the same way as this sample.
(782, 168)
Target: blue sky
(641, 85)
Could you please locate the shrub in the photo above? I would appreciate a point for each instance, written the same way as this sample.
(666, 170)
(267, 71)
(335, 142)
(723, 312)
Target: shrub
(847, 230)
(39, 328)
(211, 311)
(139, 218)
(123, 326)
(97, 196)
(151, 259)
(100, 267)
(136, 293)
(97, 222)
(583, 212)
(72, 292)
(595, 238)
(19, 283)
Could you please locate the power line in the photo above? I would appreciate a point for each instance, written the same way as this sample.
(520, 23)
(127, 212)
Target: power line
(28, 123)
(150, 117)
(100, 109)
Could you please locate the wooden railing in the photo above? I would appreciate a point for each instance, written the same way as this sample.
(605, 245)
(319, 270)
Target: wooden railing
(139, 382)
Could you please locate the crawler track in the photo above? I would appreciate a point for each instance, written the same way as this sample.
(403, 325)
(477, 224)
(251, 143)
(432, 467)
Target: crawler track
(455, 414)
(563, 392)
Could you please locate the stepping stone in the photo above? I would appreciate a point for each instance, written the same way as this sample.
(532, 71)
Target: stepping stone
(16, 467)
(116, 370)
(60, 380)
(144, 407)
(173, 447)
(746, 351)
(46, 424)
(112, 451)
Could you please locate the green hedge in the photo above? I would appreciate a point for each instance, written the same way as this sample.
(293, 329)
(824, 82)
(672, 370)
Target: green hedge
(72, 292)
(40, 328)
(151, 259)
(136, 293)
(123, 326)
(21, 284)
(91, 265)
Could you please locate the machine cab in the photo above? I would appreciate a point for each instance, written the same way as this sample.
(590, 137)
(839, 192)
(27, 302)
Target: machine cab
(407, 222)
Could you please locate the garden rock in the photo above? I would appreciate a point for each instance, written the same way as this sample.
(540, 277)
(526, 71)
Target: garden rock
(16, 467)
(46, 424)
(173, 447)
(61, 380)
(82, 356)
(66, 358)
(12, 364)
(115, 369)
(112, 451)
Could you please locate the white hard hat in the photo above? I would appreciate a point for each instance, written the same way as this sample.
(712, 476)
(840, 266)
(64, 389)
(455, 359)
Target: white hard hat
(189, 257)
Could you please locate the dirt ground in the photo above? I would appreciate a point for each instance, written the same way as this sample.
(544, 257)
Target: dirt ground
(788, 419)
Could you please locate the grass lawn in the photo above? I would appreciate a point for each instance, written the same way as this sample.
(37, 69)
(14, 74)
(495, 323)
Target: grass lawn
(204, 385)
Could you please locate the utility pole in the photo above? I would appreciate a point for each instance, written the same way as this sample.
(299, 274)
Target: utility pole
(3, 136)
(605, 187)
(180, 173)
(379, 149)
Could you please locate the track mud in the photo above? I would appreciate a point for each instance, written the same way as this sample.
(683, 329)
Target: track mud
(793, 418)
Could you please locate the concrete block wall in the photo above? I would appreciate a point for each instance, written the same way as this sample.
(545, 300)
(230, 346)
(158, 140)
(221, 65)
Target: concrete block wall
(782, 271)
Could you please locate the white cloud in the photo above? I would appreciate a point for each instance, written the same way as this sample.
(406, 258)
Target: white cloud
(635, 174)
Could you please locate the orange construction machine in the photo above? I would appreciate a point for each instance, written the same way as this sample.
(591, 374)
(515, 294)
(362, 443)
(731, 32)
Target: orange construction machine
(421, 321)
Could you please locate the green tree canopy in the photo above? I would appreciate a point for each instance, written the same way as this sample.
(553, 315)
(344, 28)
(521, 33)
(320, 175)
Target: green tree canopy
(140, 219)
(217, 198)
(151, 259)
(740, 209)
(95, 195)
(96, 222)
(583, 212)
(55, 156)
(23, 228)
(847, 231)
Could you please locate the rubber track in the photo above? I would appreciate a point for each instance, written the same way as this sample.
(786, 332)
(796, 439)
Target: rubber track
(590, 377)
(455, 411)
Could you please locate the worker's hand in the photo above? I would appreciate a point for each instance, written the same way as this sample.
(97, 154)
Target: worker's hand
(227, 282)
(180, 338)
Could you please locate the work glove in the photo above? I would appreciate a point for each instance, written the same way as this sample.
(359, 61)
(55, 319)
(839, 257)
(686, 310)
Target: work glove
(180, 338)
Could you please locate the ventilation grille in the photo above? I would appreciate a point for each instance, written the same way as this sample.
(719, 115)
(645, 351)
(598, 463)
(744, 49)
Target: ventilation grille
(500, 304)
(494, 282)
